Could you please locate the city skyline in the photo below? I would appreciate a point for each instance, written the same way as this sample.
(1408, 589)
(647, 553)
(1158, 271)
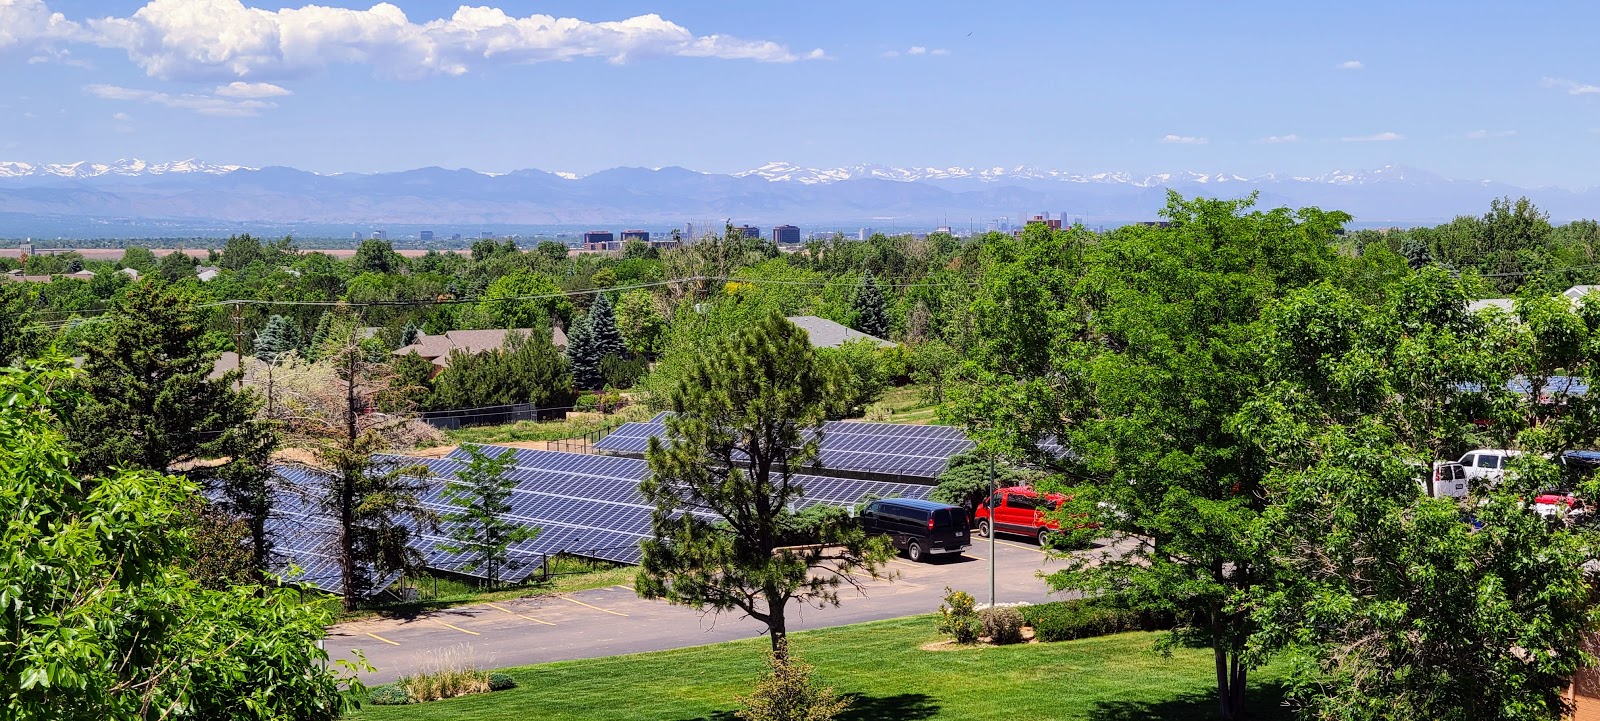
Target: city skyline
(353, 87)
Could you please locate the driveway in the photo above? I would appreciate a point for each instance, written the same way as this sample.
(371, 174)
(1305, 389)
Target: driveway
(614, 620)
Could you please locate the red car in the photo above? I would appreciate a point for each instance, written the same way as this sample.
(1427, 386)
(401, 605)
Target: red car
(1018, 510)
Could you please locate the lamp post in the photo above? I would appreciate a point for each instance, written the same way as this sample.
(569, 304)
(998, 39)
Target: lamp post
(987, 502)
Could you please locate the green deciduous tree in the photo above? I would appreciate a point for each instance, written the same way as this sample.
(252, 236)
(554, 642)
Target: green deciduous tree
(527, 370)
(376, 256)
(857, 366)
(641, 322)
(479, 528)
(870, 316)
(20, 336)
(732, 447)
(100, 623)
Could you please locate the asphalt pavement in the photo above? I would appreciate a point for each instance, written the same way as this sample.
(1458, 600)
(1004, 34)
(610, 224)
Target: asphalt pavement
(614, 620)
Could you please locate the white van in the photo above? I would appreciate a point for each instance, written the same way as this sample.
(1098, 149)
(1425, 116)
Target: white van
(1487, 463)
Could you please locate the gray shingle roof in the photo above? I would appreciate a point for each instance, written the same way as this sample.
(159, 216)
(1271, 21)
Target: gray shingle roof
(828, 334)
(436, 348)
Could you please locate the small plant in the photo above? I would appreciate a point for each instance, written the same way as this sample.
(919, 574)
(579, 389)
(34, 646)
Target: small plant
(787, 693)
(1089, 617)
(1002, 625)
(449, 674)
(387, 695)
(958, 616)
(501, 682)
(878, 413)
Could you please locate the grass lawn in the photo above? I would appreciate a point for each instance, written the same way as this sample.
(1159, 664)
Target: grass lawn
(522, 431)
(905, 405)
(1114, 678)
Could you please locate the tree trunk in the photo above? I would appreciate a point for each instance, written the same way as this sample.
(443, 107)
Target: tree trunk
(347, 538)
(777, 626)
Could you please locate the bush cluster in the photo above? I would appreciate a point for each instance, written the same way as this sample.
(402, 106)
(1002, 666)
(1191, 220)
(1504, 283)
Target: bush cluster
(1003, 625)
(958, 616)
(501, 682)
(387, 695)
(1089, 617)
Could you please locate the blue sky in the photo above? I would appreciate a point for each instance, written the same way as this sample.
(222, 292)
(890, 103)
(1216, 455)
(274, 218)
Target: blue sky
(1467, 90)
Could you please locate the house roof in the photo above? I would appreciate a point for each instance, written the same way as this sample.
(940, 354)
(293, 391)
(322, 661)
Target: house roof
(436, 348)
(828, 334)
(1501, 303)
(228, 361)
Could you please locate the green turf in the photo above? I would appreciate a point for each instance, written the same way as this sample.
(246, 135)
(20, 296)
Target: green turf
(1114, 678)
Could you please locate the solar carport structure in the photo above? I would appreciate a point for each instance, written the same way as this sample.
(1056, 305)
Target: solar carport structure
(584, 505)
(888, 451)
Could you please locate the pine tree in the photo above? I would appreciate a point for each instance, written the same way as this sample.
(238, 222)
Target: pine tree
(410, 334)
(1415, 251)
(870, 316)
(275, 339)
(583, 354)
(603, 327)
(479, 529)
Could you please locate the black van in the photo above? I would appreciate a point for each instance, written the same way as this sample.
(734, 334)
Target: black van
(918, 527)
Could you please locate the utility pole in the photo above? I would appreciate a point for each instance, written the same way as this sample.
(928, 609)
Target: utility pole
(238, 341)
(992, 531)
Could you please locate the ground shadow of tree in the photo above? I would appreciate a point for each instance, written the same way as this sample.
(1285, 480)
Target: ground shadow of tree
(1263, 702)
(900, 707)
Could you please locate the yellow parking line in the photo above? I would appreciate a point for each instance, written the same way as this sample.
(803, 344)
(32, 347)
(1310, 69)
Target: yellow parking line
(499, 607)
(625, 588)
(385, 640)
(458, 628)
(905, 563)
(597, 608)
(1017, 545)
(975, 558)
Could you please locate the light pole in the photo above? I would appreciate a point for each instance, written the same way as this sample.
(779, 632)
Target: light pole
(988, 503)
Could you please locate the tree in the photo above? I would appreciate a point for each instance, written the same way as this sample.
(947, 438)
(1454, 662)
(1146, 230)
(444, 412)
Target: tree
(101, 623)
(479, 529)
(138, 258)
(521, 299)
(376, 256)
(738, 434)
(20, 334)
(1389, 604)
(556, 252)
(788, 693)
(870, 317)
(965, 480)
(583, 356)
(1415, 251)
(149, 400)
(858, 366)
(640, 322)
(176, 266)
(1139, 360)
(932, 362)
(240, 251)
(529, 369)
(277, 337)
(602, 322)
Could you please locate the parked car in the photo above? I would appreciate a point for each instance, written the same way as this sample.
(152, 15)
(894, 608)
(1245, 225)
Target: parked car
(1019, 510)
(1487, 463)
(920, 528)
(1555, 503)
(1449, 480)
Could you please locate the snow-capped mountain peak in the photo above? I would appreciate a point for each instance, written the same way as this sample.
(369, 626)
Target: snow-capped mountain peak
(130, 167)
(786, 172)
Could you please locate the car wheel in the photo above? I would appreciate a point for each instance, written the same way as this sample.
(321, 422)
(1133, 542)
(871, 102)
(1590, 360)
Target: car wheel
(983, 529)
(914, 551)
(1047, 538)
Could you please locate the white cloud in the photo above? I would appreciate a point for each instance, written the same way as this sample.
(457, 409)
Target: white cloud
(30, 22)
(202, 104)
(1482, 134)
(123, 117)
(938, 51)
(1277, 139)
(917, 50)
(891, 53)
(1373, 138)
(237, 89)
(1572, 87)
(212, 39)
(1183, 140)
(1350, 65)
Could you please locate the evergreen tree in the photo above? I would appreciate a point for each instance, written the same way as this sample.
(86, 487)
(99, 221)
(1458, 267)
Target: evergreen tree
(869, 313)
(478, 528)
(1415, 251)
(583, 354)
(736, 436)
(410, 334)
(276, 338)
(603, 328)
(148, 400)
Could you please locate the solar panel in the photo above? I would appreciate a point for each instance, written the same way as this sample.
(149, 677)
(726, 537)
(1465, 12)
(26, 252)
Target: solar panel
(847, 446)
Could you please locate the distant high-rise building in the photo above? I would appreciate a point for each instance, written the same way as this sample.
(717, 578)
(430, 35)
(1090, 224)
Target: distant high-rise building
(641, 235)
(688, 232)
(380, 235)
(785, 235)
(944, 229)
(597, 240)
(455, 236)
(356, 235)
(486, 235)
(425, 235)
(749, 232)
(864, 233)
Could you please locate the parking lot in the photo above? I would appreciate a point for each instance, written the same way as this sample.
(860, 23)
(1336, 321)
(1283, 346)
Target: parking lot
(614, 620)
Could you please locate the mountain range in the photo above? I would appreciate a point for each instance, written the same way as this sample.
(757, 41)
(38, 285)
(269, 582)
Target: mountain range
(129, 198)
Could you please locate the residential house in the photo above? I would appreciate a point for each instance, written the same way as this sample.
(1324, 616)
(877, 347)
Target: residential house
(436, 349)
(828, 334)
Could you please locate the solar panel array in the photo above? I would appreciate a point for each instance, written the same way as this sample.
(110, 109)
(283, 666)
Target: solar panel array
(583, 505)
(305, 540)
(888, 449)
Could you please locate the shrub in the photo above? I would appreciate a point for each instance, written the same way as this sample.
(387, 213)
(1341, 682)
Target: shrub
(501, 682)
(1002, 625)
(622, 372)
(787, 693)
(450, 674)
(878, 413)
(958, 616)
(387, 695)
(1089, 617)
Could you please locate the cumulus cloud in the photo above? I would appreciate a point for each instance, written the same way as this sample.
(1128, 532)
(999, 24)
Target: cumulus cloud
(1183, 140)
(1373, 138)
(123, 117)
(1572, 87)
(1482, 134)
(30, 22)
(199, 103)
(1277, 139)
(216, 39)
(915, 50)
(238, 89)
(1350, 65)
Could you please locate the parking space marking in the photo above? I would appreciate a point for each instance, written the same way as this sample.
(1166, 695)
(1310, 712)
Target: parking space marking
(1017, 545)
(975, 558)
(597, 608)
(625, 588)
(905, 563)
(385, 640)
(458, 628)
(499, 607)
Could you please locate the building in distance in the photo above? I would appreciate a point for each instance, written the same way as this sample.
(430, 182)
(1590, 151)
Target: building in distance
(748, 232)
(865, 233)
(598, 240)
(425, 235)
(639, 235)
(785, 235)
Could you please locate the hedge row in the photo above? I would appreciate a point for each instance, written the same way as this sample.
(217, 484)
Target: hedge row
(1088, 617)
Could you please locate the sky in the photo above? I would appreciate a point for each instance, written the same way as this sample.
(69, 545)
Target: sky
(1466, 89)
